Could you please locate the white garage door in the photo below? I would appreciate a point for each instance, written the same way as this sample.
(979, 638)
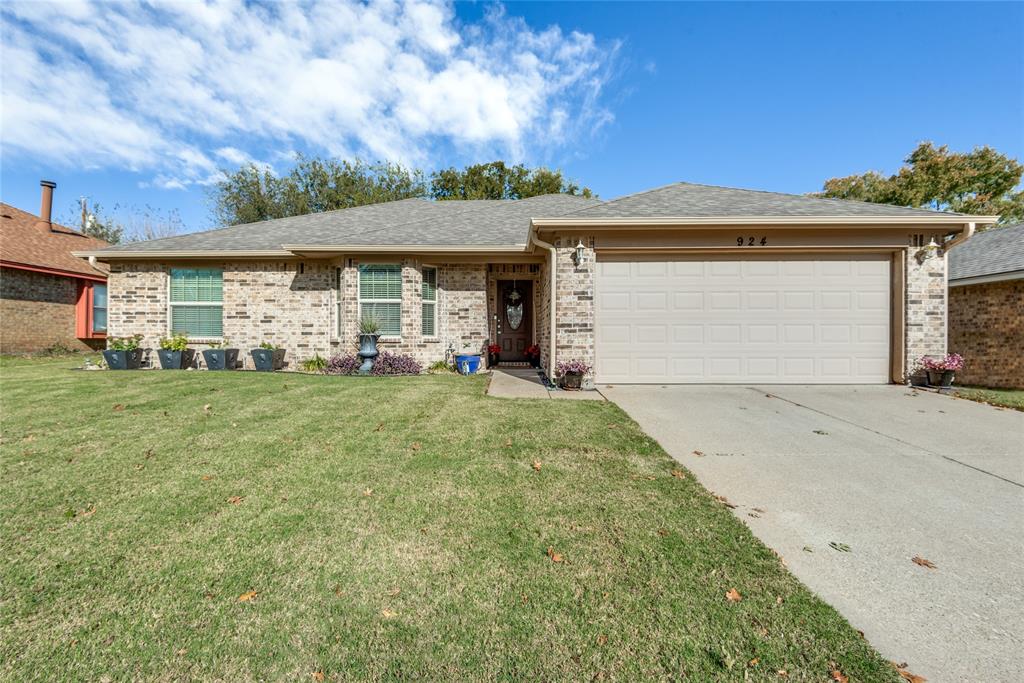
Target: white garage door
(796, 319)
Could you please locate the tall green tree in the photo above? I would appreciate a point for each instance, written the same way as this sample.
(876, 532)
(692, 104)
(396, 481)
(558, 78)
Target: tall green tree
(982, 181)
(252, 194)
(498, 180)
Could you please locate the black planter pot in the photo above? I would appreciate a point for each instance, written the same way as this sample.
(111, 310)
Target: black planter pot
(367, 351)
(493, 359)
(123, 360)
(220, 359)
(941, 378)
(534, 361)
(268, 360)
(175, 360)
(572, 380)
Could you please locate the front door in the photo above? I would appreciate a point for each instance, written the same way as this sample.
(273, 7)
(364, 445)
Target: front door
(515, 318)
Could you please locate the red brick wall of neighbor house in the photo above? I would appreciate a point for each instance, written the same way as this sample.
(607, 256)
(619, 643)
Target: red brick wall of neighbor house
(986, 326)
(37, 311)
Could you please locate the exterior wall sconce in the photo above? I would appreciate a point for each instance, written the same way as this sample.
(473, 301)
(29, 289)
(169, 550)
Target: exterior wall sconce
(577, 256)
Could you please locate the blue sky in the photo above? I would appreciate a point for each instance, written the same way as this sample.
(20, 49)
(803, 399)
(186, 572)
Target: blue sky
(142, 106)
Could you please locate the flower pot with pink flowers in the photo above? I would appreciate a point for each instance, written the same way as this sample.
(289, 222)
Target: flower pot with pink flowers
(942, 369)
(570, 374)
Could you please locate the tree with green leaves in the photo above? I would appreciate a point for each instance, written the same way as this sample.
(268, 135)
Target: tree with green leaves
(125, 223)
(982, 182)
(497, 180)
(253, 194)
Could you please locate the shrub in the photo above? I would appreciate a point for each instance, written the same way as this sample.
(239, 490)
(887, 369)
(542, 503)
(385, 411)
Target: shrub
(343, 364)
(439, 366)
(124, 343)
(314, 364)
(369, 324)
(388, 363)
(567, 366)
(268, 346)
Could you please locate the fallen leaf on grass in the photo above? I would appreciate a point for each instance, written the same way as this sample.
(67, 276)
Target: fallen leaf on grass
(612, 426)
(387, 614)
(724, 501)
(206, 477)
(663, 532)
(555, 557)
(841, 547)
(367, 492)
(246, 597)
(733, 595)
(782, 673)
(602, 639)
(182, 652)
(907, 676)
(920, 561)
(415, 446)
(207, 408)
(508, 443)
(536, 465)
(337, 590)
(838, 676)
(89, 512)
(318, 676)
(236, 500)
(754, 661)
(679, 474)
(118, 406)
(379, 427)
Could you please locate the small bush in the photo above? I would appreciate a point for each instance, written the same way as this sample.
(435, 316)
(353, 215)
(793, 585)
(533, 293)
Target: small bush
(314, 364)
(178, 342)
(388, 363)
(343, 364)
(440, 366)
(124, 343)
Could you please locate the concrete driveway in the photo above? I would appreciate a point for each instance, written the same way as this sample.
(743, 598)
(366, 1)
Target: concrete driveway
(890, 472)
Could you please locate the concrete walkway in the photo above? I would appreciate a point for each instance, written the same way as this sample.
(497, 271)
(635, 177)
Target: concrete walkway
(849, 484)
(527, 383)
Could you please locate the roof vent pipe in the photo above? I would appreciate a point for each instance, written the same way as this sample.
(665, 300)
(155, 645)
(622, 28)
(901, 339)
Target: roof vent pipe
(46, 206)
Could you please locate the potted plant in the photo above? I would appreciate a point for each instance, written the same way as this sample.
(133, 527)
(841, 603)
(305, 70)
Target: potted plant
(467, 362)
(219, 356)
(571, 373)
(493, 354)
(369, 333)
(941, 371)
(174, 353)
(124, 353)
(268, 357)
(533, 355)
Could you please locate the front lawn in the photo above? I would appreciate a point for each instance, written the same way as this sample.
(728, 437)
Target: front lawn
(1004, 398)
(240, 526)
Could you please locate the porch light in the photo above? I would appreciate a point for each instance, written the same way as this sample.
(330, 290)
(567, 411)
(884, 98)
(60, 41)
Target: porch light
(577, 256)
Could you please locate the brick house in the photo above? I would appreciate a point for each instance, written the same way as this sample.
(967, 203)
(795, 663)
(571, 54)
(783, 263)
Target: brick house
(684, 283)
(986, 307)
(48, 298)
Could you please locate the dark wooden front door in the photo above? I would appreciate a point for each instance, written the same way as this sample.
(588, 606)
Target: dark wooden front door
(515, 318)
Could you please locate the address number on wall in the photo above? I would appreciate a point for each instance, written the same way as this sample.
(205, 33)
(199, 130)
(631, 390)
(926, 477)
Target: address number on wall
(751, 241)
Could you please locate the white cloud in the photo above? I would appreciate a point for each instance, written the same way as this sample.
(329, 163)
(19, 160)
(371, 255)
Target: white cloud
(176, 89)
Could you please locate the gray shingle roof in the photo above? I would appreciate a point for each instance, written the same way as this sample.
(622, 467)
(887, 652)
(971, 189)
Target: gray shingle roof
(994, 251)
(409, 221)
(690, 199)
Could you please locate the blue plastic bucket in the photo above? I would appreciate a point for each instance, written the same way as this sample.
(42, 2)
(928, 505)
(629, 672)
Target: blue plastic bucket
(467, 363)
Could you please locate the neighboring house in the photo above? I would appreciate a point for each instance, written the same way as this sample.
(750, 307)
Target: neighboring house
(684, 283)
(986, 307)
(48, 298)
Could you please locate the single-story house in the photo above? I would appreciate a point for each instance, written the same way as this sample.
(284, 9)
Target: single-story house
(986, 307)
(683, 283)
(48, 298)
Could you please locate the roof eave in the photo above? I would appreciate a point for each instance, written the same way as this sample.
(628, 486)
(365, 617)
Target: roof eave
(713, 221)
(990, 277)
(293, 250)
(125, 255)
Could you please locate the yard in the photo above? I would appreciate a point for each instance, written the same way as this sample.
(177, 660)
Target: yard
(1004, 398)
(236, 526)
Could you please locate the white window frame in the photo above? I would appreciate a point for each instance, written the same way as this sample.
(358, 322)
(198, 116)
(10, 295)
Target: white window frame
(437, 297)
(172, 304)
(359, 294)
(338, 333)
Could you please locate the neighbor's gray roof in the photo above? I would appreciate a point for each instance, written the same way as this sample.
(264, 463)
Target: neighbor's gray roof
(994, 251)
(690, 199)
(408, 221)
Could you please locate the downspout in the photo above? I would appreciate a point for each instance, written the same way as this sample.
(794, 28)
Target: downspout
(551, 306)
(964, 235)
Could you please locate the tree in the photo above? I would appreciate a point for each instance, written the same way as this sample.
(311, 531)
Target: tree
(253, 194)
(496, 180)
(982, 181)
(126, 223)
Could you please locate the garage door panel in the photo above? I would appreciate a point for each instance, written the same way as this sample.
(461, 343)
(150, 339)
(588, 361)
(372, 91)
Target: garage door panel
(797, 319)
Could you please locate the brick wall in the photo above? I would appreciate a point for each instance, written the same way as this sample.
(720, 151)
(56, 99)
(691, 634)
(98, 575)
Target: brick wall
(293, 305)
(37, 311)
(925, 305)
(986, 326)
(574, 302)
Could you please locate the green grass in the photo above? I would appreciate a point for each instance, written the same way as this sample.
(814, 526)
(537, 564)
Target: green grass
(123, 558)
(1005, 398)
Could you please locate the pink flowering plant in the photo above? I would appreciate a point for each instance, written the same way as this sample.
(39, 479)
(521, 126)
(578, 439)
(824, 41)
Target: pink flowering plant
(953, 361)
(571, 367)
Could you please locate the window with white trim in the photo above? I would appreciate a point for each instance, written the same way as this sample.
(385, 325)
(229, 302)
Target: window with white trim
(380, 296)
(429, 292)
(197, 302)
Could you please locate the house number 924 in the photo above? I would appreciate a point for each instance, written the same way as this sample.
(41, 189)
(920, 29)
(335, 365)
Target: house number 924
(751, 241)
